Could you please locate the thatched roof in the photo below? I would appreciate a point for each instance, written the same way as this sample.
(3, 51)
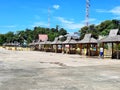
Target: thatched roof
(45, 42)
(112, 37)
(48, 42)
(73, 41)
(88, 39)
(11, 44)
(59, 42)
(67, 40)
(55, 40)
(113, 32)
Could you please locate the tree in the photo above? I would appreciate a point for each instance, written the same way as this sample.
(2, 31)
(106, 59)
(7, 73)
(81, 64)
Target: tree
(83, 31)
(102, 29)
(9, 37)
(2, 39)
(62, 31)
(57, 28)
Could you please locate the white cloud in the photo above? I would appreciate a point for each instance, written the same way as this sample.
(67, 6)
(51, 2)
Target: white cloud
(8, 26)
(56, 7)
(115, 10)
(68, 24)
(101, 10)
(64, 20)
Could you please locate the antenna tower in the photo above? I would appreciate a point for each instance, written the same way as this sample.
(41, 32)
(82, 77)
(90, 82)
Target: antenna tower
(48, 17)
(87, 12)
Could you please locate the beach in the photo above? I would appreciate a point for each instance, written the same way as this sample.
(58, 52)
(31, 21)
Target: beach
(35, 70)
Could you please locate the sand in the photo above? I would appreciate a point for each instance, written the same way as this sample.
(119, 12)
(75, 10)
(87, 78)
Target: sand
(34, 70)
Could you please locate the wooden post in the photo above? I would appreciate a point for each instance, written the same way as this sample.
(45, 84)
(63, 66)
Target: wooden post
(103, 48)
(56, 48)
(81, 49)
(89, 49)
(112, 49)
(96, 49)
(69, 48)
(117, 51)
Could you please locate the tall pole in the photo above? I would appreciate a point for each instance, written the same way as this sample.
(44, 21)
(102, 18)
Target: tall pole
(49, 17)
(87, 12)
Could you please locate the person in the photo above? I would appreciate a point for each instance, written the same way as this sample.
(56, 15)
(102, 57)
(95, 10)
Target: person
(101, 52)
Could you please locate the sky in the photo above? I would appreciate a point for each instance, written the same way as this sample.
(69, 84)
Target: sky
(16, 15)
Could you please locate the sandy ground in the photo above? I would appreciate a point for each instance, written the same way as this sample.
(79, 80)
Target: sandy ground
(31, 70)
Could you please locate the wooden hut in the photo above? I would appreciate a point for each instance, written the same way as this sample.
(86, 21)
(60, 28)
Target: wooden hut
(114, 39)
(91, 45)
(69, 46)
(47, 46)
(59, 46)
(65, 45)
(11, 46)
(73, 46)
(54, 45)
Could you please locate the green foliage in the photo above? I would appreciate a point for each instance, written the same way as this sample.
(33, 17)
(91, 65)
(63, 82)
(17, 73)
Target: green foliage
(62, 31)
(102, 29)
(30, 35)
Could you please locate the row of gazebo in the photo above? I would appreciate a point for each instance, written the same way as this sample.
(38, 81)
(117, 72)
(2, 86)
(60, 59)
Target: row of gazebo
(68, 46)
(72, 46)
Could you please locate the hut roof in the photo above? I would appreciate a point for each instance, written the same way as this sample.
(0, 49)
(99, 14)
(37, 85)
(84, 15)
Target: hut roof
(37, 43)
(73, 41)
(11, 44)
(48, 42)
(59, 42)
(55, 40)
(45, 42)
(31, 44)
(88, 39)
(67, 40)
(112, 37)
(113, 32)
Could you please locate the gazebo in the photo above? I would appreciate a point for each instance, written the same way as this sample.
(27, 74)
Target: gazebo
(66, 47)
(47, 46)
(89, 41)
(59, 46)
(70, 45)
(54, 45)
(73, 46)
(113, 38)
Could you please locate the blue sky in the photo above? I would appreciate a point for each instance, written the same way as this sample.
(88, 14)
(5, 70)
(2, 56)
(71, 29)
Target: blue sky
(70, 14)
